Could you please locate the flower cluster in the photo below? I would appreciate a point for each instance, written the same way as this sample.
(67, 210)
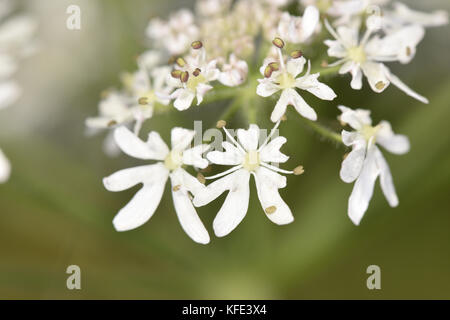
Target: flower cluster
(218, 53)
(16, 43)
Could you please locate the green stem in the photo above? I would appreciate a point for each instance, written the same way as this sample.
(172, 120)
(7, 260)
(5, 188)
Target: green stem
(323, 131)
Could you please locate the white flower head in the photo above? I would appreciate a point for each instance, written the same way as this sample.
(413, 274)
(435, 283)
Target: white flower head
(154, 177)
(5, 167)
(298, 29)
(247, 159)
(192, 77)
(211, 8)
(233, 73)
(368, 54)
(176, 34)
(279, 75)
(365, 163)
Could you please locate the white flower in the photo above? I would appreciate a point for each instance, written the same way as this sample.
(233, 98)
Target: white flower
(153, 178)
(285, 77)
(247, 159)
(298, 29)
(402, 15)
(176, 34)
(366, 55)
(198, 72)
(234, 72)
(365, 163)
(210, 8)
(5, 167)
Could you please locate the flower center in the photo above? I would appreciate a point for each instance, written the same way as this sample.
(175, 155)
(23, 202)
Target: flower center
(251, 161)
(369, 132)
(357, 54)
(286, 80)
(174, 160)
(194, 81)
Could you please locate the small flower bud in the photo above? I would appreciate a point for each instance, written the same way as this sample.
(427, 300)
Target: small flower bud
(176, 74)
(299, 170)
(275, 66)
(196, 72)
(220, 124)
(296, 54)
(181, 62)
(196, 45)
(277, 42)
(268, 71)
(270, 210)
(143, 101)
(184, 77)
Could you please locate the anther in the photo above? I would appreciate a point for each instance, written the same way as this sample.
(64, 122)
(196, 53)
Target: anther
(112, 123)
(299, 170)
(296, 54)
(220, 124)
(201, 178)
(275, 66)
(270, 210)
(143, 101)
(176, 74)
(184, 77)
(196, 72)
(380, 85)
(268, 71)
(196, 45)
(277, 42)
(181, 62)
(176, 188)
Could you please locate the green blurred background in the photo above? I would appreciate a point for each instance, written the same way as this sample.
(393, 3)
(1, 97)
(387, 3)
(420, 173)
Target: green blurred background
(54, 211)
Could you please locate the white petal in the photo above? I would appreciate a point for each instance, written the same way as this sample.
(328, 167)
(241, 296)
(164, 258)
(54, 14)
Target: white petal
(399, 84)
(355, 118)
(181, 138)
(9, 93)
(266, 88)
(434, 19)
(110, 147)
(295, 66)
(395, 143)
(357, 77)
(128, 178)
(186, 213)
(376, 76)
(144, 203)
(351, 138)
(363, 188)
(202, 89)
(387, 185)
(235, 206)
(231, 156)
(336, 49)
(299, 104)
(353, 163)
(271, 152)
(184, 98)
(5, 167)
(310, 21)
(194, 156)
(267, 184)
(154, 149)
(314, 86)
(249, 139)
(349, 36)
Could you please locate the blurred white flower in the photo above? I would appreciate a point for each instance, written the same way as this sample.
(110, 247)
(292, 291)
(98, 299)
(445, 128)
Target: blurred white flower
(192, 78)
(247, 159)
(367, 55)
(285, 77)
(154, 177)
(365, 163)
(298, 29)
(209, 8)
(234, 72)
(176, 34)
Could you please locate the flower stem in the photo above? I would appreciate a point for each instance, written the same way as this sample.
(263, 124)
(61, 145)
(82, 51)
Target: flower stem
(323, 131)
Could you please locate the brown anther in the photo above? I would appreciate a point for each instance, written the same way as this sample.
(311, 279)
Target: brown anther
(196, 72)
(277, 42)
(143, 101)
(181, 62)
(275, 66)
(283, 117)
(184, 77)
(296, 54)
(380, 85)
(112, 123)
(220, 124)
(176, 74)
(176, 188)
(196, 45)
(268, 71)
(270, 210)
(201, 178)
(299, 170)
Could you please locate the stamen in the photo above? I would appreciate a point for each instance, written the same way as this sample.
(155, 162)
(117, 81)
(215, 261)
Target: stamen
(270, 135)
(196, 45)
(273, 168)
(270, 210)
(299, 170)
(279, 43)
(201, 178)
(112, 123)
(181, 62)
(184, 77)
(176, 188)
(220, 124)
(196, 72)
(233, 169)
(268, 71)
(380, 85)
(237, 144)
(143, 101)
(176, 74)
(275, 66)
